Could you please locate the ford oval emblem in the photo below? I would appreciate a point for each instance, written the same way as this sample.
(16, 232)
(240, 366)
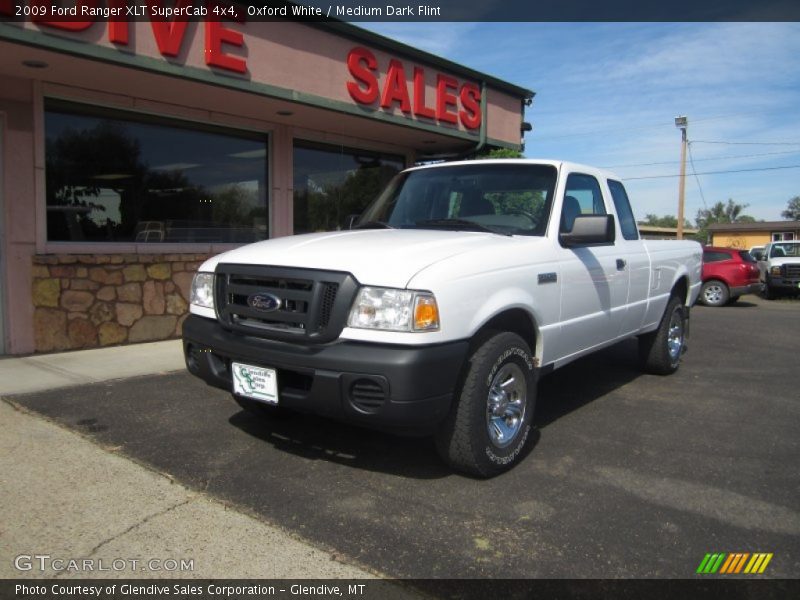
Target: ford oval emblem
(264, 302)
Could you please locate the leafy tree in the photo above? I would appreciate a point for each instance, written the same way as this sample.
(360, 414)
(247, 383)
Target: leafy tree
(730, 212)
(792, 211)
(500, 153)
(665, 221)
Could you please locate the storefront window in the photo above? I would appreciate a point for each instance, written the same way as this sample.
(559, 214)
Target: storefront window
(332, 183)
(121, 177)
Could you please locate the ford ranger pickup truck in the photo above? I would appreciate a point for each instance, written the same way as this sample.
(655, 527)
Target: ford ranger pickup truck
(457, 288)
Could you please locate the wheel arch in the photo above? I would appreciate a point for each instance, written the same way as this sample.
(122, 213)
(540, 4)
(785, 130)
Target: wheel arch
(516, 320)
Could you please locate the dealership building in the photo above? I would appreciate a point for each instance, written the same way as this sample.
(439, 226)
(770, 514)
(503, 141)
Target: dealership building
(131, 151)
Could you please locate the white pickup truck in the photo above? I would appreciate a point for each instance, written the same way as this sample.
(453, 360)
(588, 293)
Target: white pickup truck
(779, 268)
(457, 288)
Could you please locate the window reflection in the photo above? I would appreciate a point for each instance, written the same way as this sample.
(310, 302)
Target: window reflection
(120, 177)
(331, 183)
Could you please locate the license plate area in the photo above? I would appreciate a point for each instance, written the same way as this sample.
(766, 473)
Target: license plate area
(258, 383)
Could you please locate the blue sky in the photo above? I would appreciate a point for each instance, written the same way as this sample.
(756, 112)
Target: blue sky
(607, 95)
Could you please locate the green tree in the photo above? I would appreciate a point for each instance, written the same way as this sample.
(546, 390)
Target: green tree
(500, 153)
(721, 212)
(665, 221)
(792, 211)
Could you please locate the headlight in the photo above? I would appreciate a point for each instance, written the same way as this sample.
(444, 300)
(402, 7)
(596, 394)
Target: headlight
(775, 271)
(394, 310)
(203, 290)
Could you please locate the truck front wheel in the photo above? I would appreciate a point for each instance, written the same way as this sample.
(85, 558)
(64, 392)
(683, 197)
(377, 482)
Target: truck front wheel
(490, 420)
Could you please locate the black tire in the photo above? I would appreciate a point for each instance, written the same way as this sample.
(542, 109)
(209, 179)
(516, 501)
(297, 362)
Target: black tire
(714, 293)
(769, 292)
(259, 409)
(471, 438)
(660, 351)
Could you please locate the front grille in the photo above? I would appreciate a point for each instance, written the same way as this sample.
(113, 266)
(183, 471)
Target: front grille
(792, 271)
(312, 304)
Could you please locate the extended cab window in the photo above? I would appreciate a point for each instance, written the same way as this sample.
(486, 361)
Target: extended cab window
(627, 222)
(582, 197)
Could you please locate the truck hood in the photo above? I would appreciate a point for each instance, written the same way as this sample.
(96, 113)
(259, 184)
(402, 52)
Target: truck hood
(784, 260)
(379, 257)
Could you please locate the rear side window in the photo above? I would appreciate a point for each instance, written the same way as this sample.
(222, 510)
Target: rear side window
(746, 256)
(627, 222)
(712, 256)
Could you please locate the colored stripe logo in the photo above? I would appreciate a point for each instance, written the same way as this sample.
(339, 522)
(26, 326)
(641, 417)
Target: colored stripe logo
(732, 563)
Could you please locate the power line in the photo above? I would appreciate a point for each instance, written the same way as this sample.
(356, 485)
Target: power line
(675, 162)
(715, 172)
(694, 171)
(747, 143)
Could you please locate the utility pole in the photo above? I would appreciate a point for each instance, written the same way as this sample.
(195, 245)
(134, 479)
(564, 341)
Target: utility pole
(682, 123)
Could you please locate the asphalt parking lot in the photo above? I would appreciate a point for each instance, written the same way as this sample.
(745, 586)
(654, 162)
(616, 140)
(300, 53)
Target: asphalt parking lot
(631, 475)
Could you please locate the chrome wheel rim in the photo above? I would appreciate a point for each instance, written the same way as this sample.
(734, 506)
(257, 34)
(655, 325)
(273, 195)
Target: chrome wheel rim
(505, 405)
(675, 334)
(713, 294)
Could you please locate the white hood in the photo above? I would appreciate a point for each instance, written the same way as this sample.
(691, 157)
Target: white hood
(379, 257)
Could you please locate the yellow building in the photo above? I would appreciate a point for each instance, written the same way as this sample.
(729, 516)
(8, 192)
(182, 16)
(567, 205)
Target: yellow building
(747, 235)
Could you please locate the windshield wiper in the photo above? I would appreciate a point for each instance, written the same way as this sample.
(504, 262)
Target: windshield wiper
(458, 225)
(374, 225)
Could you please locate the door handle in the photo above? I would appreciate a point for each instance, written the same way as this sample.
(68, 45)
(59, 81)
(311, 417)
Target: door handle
(621, 264)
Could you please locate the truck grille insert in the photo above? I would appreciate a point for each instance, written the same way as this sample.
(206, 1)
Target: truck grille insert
(367, 396)
(792, 271)
(284, 303)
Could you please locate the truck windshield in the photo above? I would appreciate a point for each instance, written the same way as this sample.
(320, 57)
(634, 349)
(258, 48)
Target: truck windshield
(786, 249)
(507, 198)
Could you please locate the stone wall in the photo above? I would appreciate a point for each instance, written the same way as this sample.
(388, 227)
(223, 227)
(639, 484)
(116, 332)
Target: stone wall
(91, 300)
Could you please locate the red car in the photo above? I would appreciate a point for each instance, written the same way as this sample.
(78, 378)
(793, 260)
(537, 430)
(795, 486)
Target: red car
(727, 274)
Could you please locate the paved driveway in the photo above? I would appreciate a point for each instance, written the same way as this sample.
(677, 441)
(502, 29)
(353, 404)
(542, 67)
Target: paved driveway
(631, 476)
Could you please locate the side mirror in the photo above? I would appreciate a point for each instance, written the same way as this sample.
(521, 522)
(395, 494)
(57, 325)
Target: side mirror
(351, 220)
(588, 230)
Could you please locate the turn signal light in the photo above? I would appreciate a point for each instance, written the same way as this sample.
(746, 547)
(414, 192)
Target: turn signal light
(426, 313)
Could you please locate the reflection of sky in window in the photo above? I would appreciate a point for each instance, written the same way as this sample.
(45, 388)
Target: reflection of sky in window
(206, 158)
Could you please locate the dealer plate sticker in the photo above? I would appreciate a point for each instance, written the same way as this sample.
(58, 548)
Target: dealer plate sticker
(255, 382)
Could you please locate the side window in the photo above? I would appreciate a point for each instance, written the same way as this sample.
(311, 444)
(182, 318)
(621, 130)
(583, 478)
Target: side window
(582, 197)
(624, 213)
(711, 256)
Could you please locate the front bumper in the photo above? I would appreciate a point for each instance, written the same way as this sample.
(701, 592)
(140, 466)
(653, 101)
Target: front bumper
(784, 283)
(385, 386)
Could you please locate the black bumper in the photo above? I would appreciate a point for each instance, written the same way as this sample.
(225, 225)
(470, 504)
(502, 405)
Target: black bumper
(385, 386)
(784, 283)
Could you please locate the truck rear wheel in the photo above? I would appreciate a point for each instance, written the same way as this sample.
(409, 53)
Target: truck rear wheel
(661, 350)
(490, 420)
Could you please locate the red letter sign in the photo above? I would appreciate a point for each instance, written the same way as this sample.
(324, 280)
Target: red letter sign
(169, 34)
(67, 24)
(361, 63)
(216, 35)
(445, 100)
(420, 109)
(471, 102)
(395, 88)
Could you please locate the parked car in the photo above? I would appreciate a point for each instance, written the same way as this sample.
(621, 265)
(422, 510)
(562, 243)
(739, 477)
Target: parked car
(757, 252)
(780, 268)
(727, 274)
